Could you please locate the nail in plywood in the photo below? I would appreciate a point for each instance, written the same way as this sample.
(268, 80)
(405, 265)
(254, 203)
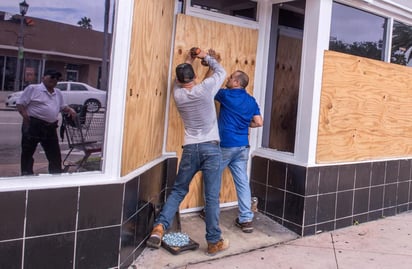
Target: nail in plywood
(285, 94)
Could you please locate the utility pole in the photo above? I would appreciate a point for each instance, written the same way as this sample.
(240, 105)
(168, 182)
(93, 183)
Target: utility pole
(104, 70)
(20, 39)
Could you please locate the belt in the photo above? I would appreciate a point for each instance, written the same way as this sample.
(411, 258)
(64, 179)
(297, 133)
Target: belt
(44, 123)
(215, 142)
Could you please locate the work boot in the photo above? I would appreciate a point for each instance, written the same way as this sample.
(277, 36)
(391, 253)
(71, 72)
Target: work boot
(246, 227)
(219, 246)
(156, 236)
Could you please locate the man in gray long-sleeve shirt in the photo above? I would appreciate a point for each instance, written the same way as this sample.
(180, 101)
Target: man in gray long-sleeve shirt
(201, 150)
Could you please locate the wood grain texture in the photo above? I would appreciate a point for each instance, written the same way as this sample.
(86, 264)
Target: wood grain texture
(365, 110)
(285, 94)
(147, 83)
(237, 48)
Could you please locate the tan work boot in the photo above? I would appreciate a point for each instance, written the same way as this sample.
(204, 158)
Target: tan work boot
(219, 246)
(156, 236)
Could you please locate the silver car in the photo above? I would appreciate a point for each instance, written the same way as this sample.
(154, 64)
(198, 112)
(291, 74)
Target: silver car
(76, 93)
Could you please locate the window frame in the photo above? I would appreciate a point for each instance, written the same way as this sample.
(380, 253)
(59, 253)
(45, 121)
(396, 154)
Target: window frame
(110, 172)
(315, 42)
(219, 17)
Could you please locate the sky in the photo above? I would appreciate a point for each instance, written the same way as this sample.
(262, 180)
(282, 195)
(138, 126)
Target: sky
(64, 11)
(352, 25)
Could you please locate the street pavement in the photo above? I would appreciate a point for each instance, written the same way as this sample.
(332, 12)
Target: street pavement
(382, 244)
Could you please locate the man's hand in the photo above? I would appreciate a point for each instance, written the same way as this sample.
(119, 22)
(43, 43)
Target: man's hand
(70, 111)
(215, 55)
(202, 54)
(257, 121)
(189, 58)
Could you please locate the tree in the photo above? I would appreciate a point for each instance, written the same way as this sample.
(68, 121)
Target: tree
(366, 49)
(401, 43)
(85, 22)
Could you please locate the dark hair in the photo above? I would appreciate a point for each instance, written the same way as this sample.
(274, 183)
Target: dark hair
(185, 73)
(243, 78)
(52, 72)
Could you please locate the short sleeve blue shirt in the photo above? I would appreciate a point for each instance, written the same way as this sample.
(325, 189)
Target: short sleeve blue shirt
(237, 109)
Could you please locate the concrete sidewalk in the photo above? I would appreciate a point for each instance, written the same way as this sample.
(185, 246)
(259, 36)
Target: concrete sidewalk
(384, 243)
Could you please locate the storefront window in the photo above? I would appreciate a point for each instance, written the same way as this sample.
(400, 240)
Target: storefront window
(357, 32)
(72, 39)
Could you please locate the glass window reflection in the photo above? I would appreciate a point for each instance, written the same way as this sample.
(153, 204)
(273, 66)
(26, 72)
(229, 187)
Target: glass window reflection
(73, 38)
(357, 32)
(401, 52)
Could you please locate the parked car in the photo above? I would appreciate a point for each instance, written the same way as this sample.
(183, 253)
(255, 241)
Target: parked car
(78, 93)
(12, 98)
(74, 93)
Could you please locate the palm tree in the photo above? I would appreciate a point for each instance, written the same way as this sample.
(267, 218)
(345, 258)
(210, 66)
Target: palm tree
(85, 22)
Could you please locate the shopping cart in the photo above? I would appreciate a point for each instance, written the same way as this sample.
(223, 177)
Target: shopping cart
(84, 133)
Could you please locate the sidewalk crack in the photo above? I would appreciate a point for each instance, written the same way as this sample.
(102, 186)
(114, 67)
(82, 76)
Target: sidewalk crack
(334, 251)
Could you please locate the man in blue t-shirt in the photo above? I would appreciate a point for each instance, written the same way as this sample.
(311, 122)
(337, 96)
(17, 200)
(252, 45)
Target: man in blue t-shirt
(238, 112)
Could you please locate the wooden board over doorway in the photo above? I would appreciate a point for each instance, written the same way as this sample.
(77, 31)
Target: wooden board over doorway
(237, 47)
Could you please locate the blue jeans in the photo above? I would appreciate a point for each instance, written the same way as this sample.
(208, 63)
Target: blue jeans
(205, 157)
(236, 158)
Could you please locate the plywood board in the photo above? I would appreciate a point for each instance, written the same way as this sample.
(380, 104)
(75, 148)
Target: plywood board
(147, 83)
(237, 48)
(285, 94)
(365, 110)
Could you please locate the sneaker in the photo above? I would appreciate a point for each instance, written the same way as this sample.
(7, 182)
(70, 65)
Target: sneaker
(219, 246)
(156, 236)
(246, 227)
(202, 214)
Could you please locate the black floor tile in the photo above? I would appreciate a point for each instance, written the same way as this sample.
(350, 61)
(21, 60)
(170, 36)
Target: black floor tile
(11, 254)
(344, 204)
(326, 207)
(12, 212)
(328, 179)
(294, 205)
(49, 252)
(51, 211)
(100, 205)
(98, 248)
(376, 198)
(346, 179)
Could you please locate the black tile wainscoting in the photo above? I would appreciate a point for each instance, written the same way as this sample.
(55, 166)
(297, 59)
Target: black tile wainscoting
(101, 226)
(308, 200)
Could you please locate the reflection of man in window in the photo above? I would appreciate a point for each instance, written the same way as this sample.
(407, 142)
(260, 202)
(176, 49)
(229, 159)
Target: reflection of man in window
(29, 76)
(40, 105)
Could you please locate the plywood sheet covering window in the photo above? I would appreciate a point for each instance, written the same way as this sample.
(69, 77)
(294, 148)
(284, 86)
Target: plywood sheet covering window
(285, 94)
(365, 110)
(237, 48)
(147, 83)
